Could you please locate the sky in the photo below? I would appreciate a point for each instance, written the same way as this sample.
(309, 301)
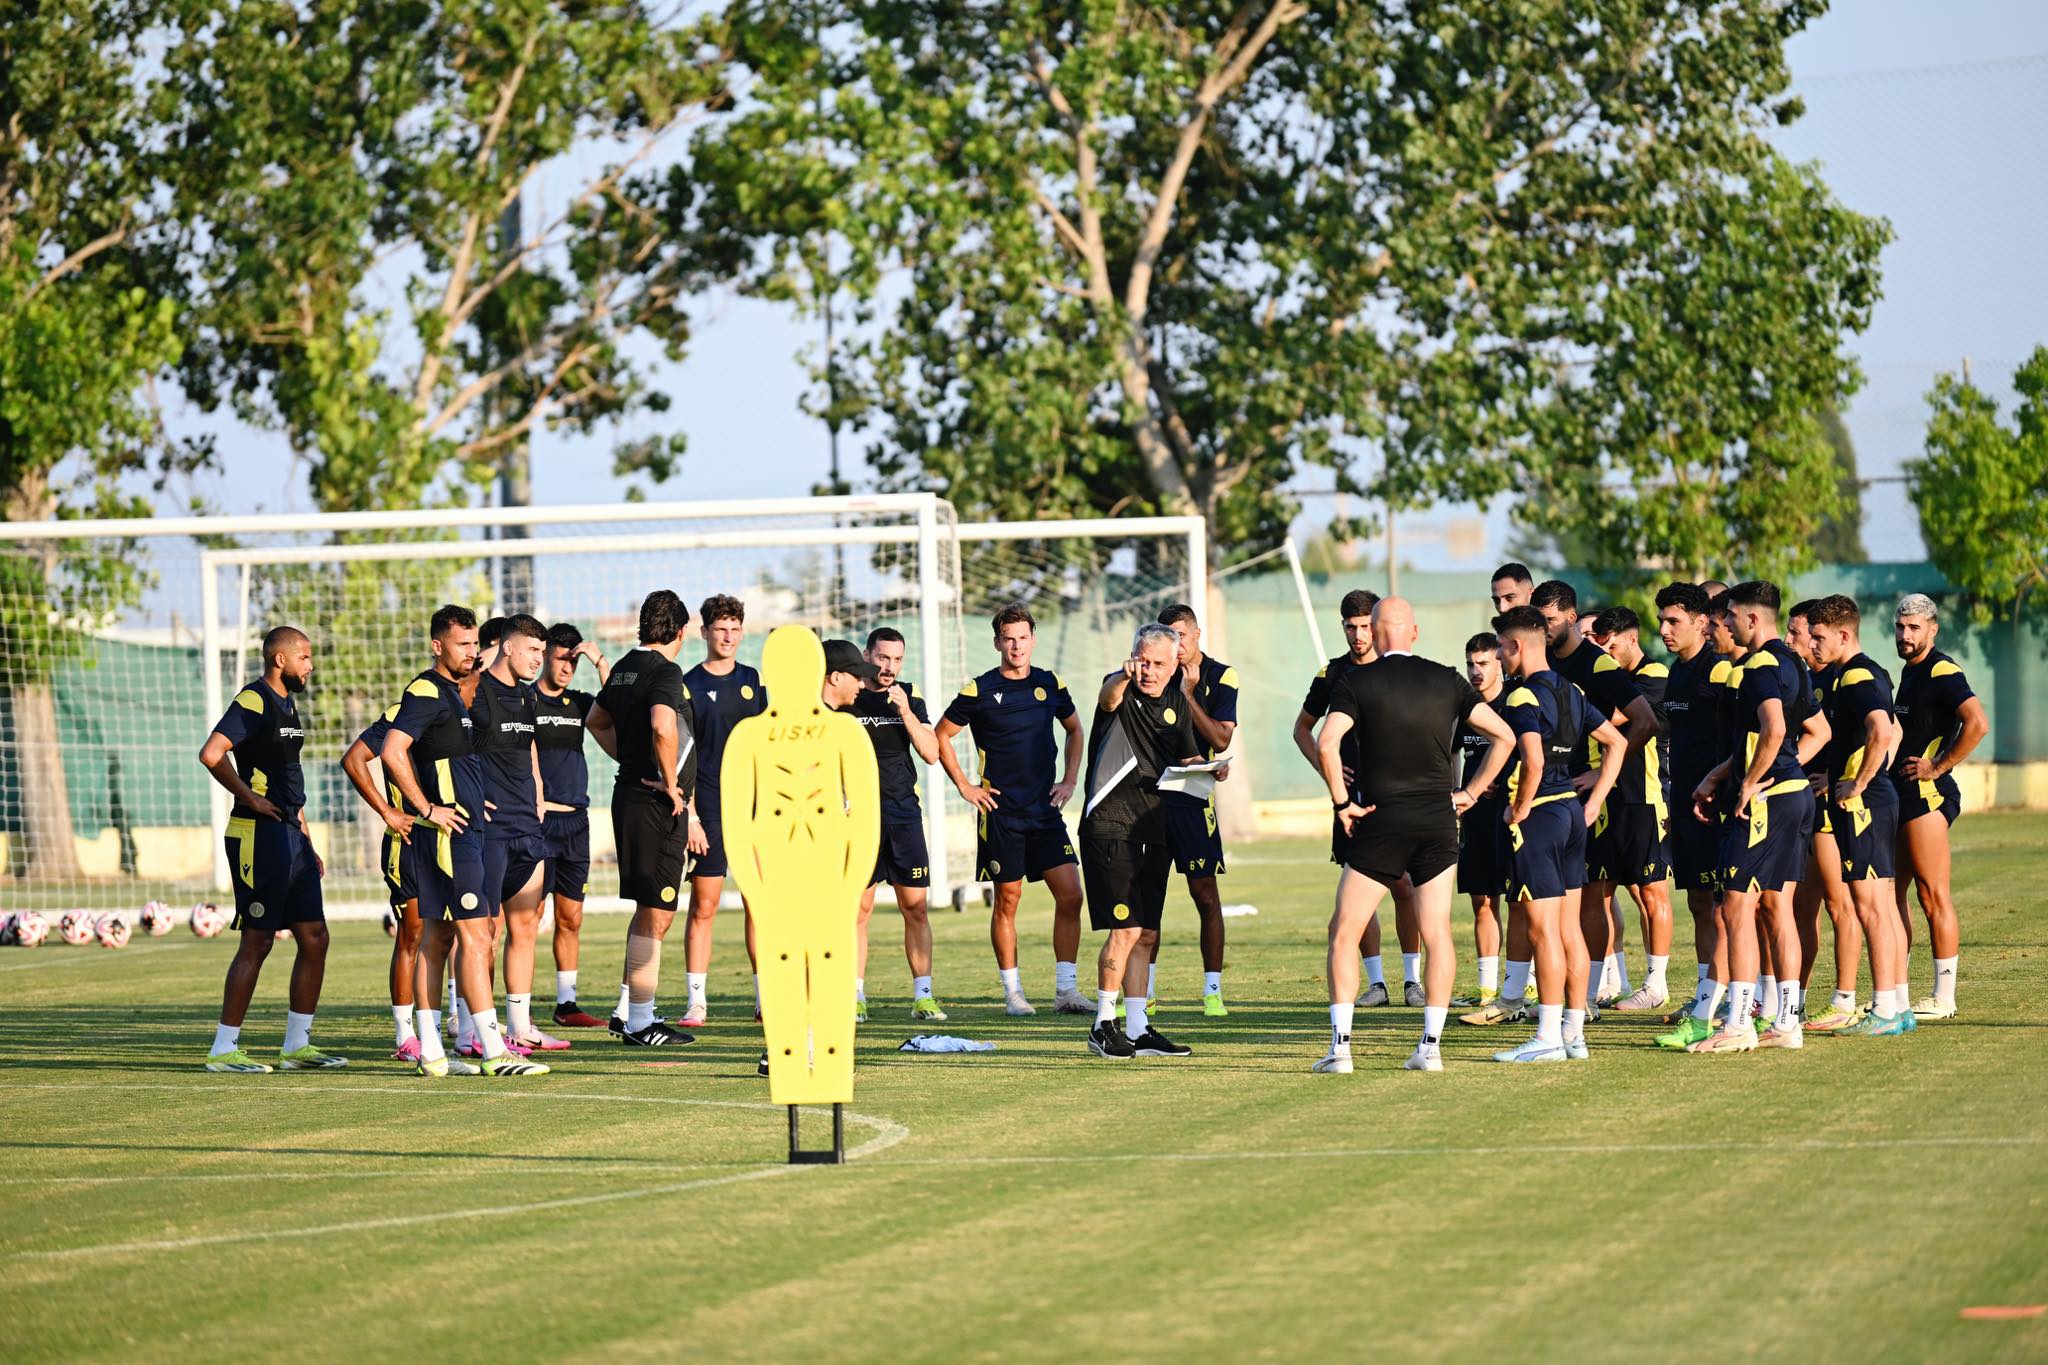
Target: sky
(1928, 115)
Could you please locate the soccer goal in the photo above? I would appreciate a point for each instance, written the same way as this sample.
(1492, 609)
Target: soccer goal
(120, 642)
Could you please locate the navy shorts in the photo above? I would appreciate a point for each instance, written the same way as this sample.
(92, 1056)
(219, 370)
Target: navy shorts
(1627, 846)
(566, 835)
(401, 883)
(1010, 849)
(509, 865)
(1547, 851)
(1193, 839)
(1916, 799)
(1868, 837)
(450, 871)
(1767, 851)
(276, 875)
(1126, 878)
(902, 859)
(711, 862)
(654, 849)
(1695, 851)
(1482, 868)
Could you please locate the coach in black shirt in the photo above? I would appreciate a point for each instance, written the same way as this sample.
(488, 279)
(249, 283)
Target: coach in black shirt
(1403, 817)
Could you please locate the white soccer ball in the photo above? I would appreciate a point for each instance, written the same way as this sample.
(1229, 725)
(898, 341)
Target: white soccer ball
(390, 923)
(30, 929)
(77, 927)
(157, 919)
(207, 919)
(114, 930)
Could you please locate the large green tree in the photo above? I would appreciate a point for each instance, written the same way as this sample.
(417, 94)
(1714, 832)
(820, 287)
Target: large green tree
(1982, 489)
(1157, 258)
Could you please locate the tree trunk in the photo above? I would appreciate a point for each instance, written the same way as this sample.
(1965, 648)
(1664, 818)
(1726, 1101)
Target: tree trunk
(46, 851)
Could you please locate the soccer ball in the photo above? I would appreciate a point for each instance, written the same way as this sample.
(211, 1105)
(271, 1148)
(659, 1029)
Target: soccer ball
(114, 930)
(207, 919)
(77, 927)
(282, 934)
(157, 919)
(390, 923)
(29, 929)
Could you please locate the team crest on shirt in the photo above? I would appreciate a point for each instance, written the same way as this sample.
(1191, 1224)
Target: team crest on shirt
(1169, 716)
(746, 692)
(1037, 692)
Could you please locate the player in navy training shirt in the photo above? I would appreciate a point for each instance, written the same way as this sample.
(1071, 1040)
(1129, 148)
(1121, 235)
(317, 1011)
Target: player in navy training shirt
(721, 692)
(561, 715)
(400, 877)
(894, 716)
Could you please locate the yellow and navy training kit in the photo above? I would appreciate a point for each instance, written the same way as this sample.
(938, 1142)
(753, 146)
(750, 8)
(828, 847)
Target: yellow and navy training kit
(1191, 830)
(503, 719)
(448, 867)
(1822, 680)
(1865, 827)
(1694, 695)
(559, 722)
(1611, 688)
(271, 862)
(718, 702)
(1126, 859)
(1930, 707)
(1014, 722)
(1764, 848)
(1627, 845)
(653, 841)
(1546, 853)
(395, 855)
(903, 858)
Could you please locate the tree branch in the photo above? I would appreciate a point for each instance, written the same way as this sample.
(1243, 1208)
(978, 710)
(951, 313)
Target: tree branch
(106, 241)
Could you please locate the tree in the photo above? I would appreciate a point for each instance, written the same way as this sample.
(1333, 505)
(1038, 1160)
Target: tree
(1156, 258)
(1840, 539)
(83, 327)
(1982, 489)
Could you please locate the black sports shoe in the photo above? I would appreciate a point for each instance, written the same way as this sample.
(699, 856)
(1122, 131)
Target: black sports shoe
(658, 1034)
(761, 1067)
(1153, 1043)
(617, 1024)
(1107, 1041)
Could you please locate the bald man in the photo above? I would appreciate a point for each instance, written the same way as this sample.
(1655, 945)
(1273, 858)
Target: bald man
(1402, 818)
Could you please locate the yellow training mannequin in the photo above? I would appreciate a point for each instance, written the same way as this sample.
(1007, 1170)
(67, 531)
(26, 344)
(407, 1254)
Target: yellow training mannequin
(802, 815)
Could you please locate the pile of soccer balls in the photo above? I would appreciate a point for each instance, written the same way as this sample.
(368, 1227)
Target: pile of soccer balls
(113, 929)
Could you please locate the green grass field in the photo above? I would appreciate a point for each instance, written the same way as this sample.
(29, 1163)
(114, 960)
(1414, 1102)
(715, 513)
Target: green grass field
(1844, 1203)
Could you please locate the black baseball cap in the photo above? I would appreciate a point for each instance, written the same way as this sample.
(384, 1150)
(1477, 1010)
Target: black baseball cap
(844, 656)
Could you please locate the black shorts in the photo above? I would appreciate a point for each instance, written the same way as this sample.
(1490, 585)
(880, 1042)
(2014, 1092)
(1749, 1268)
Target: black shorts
(1695, 851)
(401, 883)
(1868, 837)
(1627, 847)
(1386, 846)
(509, 864)
(1125, 878)
(711, 862)
(1482, 870)
(1193, 839)
(654, 850)
(1767, 851)
(1547, 851)
(566, 834)
(902, 859)
(276, 875)
(1926, 798)
(450, 871)
(1010, 849)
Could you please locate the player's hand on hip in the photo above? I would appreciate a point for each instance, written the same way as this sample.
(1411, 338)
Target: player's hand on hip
(265, 807)
(1592, 811)
(1462, 801)
(400, 824)
(447, 819)
(979, 797)
(1583, 782)
(1062, 793)
(1918, 769)
(1352, 814)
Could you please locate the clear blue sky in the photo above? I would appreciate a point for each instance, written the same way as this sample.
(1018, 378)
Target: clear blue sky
(1923, 113)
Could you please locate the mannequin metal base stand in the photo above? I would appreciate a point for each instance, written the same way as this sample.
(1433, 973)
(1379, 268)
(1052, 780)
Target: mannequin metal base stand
(833, 1156)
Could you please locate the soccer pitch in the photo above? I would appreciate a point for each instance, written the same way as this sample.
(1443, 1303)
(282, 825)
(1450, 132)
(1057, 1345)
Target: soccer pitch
(1851, 1201)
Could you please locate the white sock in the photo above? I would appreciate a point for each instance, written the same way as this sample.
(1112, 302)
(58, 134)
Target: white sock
(1411, 967)
(565, 987)
(1134, 1018)
(860, 988)
(1766, 991)
(1375, 973)
(1844, 1000)
(625, 1001)
(1901, 1000)
(1572, 1025)
(1549, 1020)
(639, 1014)
(1010, 979)
(1065, 976)
(1433, 1024)
(1945, 980)
(1105, 1006)
(430, 1034)
(757, 992)
(1788, 1007)
(487, 1035)
(465, 1022)
(224, 1038)
(920, 988)
(1489, 975)
(1703, 970)
(401, 1021)
(519, 1013)
(696, 981)
(1708, 1000)
(1741, 995)
(1152, 981)
(1517, 983)
(1620, 961)
(298, 1030)
(1212, 983)
(1340, 1027)
(1656, 980)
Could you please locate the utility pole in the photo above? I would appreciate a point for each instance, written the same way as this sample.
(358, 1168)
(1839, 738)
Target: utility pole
(515, 460)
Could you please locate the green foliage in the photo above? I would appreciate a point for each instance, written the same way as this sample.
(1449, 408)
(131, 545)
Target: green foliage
(1840, 537)
(1982, 489)
(1160, 258)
